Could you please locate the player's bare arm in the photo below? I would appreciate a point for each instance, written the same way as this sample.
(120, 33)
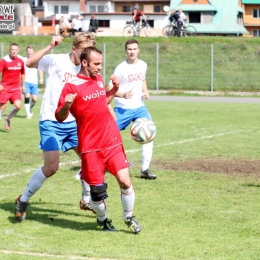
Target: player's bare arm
(113, 90)
(33, 61)
(23, 83)
(40, 77)
(64, 111)
(120, 94)
(145, 94)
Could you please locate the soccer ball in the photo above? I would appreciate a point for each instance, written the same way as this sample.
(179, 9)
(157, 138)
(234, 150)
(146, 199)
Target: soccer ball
(143, 130)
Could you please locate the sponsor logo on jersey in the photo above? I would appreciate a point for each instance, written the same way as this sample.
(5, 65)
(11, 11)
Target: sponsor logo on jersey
(96, 94)
(100, 84)
(135, 77)
(67, 76)
(14, 68)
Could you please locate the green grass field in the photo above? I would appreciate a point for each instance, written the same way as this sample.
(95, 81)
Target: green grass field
(204, 203)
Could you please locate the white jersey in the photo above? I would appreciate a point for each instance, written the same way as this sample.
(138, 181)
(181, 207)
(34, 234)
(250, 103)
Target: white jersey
(131, 77)
(59, 69)
(31, 74)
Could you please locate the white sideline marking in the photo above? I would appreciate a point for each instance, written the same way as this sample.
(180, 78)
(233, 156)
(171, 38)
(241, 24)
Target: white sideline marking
(135, 150)
(50, 255)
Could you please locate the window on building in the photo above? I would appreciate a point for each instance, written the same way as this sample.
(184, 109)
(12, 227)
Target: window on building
(103, 23)
(97, 8)
(194, 17)
(256, 33)
(101, 8)
(64, 9)
(92, 8)
(127, 9)
(256, 13)
(61, 9)
(157, 9)
(195, 1)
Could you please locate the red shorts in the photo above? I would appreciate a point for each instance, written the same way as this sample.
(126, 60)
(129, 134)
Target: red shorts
(94, 164)
(6, 96)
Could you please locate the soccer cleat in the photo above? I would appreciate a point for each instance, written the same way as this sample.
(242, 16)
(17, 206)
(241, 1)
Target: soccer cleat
(133, 225)
(30, 116)
(86, 206)
(20, 209)
(106, 224)
(147, 175)
(7, 124)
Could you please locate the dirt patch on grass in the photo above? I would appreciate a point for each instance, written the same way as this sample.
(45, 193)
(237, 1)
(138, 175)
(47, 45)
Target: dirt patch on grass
(228, 166)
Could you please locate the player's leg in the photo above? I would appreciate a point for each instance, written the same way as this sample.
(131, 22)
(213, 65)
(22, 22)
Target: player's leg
(34, 96)
(2, 109)
(84, 203)
(17, 102)
(27, 100)
(4, 97)
(117, 165)
(50, 143)
(147, 149)
(93, 173)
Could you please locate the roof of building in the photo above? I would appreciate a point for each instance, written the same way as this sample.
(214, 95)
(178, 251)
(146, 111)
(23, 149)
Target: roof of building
(251, 2)
(224, 20)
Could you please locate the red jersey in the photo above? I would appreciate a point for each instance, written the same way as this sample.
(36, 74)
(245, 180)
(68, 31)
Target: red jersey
(11, 69)
(138, 15)
(97, 129)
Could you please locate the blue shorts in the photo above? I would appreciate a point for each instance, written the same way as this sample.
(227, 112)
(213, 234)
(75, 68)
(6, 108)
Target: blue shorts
(126, 116)
(57, 136)
(31, 88)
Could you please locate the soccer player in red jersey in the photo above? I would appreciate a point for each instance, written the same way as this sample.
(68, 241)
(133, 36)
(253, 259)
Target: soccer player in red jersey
(99, 140)
(12, 84)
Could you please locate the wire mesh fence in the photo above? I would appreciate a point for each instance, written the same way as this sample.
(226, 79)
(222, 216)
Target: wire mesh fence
(196, 67)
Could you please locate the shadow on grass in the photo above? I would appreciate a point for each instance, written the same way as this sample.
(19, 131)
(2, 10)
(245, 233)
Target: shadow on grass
(52, 217)
(253, 185)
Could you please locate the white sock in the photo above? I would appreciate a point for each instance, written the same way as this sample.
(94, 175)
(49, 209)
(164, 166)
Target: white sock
(85, 191)
(147, 153)
(12, 113)
(128, 201)
(1, 112)
(100, 209)
(27, 109)
(34, 184)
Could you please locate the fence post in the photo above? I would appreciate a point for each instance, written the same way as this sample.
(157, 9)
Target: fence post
(212, 67)
(157, 66)
(2, 52)
(104, 62)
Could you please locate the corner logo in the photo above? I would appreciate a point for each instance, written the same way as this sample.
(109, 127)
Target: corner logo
(6, 17)
(6, 13)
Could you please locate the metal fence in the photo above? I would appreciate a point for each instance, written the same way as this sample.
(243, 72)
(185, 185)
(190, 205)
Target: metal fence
(197, 67)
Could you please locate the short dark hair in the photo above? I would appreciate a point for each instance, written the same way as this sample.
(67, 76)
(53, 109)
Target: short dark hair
(131, 41)
(85, 54)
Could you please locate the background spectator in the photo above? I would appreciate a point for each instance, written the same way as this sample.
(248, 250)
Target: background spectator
(77, 24)
(93, 24)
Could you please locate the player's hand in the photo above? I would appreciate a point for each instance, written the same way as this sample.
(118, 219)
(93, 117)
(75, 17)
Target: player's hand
(23, 89)
(41, 81)
(115, 81)
(56, 40)
(69, 99)
(145, 95)
(1, 87)
(128, 94)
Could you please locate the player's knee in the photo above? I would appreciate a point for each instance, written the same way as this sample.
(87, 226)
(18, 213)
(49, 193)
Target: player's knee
(26, 100)
(99, 192)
